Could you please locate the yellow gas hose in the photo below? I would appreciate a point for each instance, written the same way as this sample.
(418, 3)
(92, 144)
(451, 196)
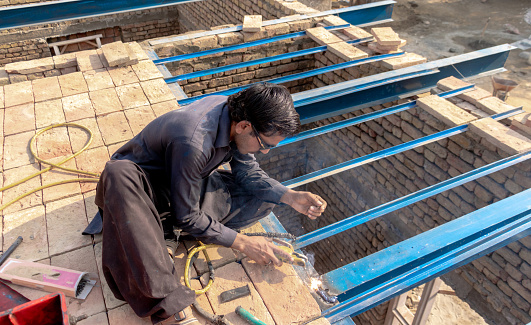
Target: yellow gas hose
(52, 165)
(201, 247)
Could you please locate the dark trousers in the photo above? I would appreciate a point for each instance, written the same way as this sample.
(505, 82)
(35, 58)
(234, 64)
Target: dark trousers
(135, 260)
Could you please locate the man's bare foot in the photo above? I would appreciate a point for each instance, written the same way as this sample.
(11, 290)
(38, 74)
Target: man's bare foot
(184, 317)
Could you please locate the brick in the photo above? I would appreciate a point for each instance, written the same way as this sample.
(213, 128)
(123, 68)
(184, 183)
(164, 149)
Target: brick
(98, 319)
(475, 95)
(31, 66)
(18, 94)
(110, 300)
(493, 105)
(53, 143)
(146, 70)
(105, 101)
(385, 36)
(63, 190)
(322, 36)
(334, 21)
(164, 107)
(79, 136)
(404, 61)
(125, 315)
(131, 96)
(88, 60)
(31, 225)
(65, 220)
(4, 77)
(114, 128)
(1, 97)
(205, 42)
(230, 38)
(46, 89)
(283, 292)
(140, 117)
(64, 61)
(98, 79)
(444, 110)
(16, 174)
(72, 84)
(521, 122)
(451, 83)
(92, 160)
(252, 23)
(19, 119)
(122, 75)
(501, 136)
(139, 52)
(346, 51)
(526, 294)
(16, 150)
(356, 33)
(230, 277)
(277, 29)
(77, 107)
(48, 113)
(116, 54)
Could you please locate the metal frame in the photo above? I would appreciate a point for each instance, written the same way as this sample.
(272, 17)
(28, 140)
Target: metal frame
(395, 270)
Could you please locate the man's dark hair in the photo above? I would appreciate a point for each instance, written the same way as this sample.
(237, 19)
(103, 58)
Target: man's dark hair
(268, 107)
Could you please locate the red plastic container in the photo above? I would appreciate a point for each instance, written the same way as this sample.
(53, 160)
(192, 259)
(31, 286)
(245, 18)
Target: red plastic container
(48, 310)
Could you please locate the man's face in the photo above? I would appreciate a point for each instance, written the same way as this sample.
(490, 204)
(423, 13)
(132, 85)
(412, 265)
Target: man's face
(250, 141)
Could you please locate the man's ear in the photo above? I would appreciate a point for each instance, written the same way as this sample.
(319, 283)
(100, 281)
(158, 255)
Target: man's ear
(241, 126)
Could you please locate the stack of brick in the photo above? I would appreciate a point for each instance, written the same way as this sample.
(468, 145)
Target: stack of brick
(69, 63)
(386, 40)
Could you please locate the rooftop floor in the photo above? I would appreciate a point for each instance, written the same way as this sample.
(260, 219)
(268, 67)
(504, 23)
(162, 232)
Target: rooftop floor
(115, 104)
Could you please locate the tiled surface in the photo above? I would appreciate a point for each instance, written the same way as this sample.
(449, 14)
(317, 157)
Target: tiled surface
(114, 104)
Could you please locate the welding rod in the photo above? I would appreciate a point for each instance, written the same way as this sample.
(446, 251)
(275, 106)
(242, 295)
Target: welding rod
(10, 250)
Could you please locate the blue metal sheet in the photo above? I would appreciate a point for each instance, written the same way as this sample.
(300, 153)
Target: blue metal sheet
(295, 76)
(380, 276)
(241, 46)
(406, 200)
(385, 7)
(364, 118)
(54, 11)
(348, 96)
(332, 170)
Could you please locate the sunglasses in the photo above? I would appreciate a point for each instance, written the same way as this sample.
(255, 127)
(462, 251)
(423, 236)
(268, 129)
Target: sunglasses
(261, 141)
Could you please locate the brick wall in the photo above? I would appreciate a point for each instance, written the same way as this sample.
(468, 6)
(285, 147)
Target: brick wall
(210, 13)
(30, 42)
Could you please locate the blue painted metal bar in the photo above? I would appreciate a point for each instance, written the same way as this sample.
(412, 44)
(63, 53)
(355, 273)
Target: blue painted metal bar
(366, 15)
(242, 46)
(406, 200)
(348, 96)
(364, 118)
(314, 72)
(332, 170)
(279, 57)
(390, 272)
(54, 11)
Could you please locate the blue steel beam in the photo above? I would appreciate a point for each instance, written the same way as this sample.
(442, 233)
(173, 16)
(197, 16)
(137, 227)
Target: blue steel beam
(348, 96)
(378, 277)
(362, 15)
(364, 118)
(295, 76)
(182, 57)
(355, 220)
(55, 11)
(314, 72)
(279, 57)
(332, 170)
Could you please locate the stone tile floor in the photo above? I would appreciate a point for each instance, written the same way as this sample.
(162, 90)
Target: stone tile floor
(115, 104)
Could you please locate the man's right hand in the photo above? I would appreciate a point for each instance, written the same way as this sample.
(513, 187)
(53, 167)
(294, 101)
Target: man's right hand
(259, 249)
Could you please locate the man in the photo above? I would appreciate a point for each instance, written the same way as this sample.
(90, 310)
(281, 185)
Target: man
(167, 177)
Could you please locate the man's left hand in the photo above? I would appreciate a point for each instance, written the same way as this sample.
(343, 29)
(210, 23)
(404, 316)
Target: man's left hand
(306, 203)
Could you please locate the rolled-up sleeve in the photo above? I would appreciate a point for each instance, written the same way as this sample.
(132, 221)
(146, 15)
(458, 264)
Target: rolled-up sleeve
(250, 176)
(184, 163)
